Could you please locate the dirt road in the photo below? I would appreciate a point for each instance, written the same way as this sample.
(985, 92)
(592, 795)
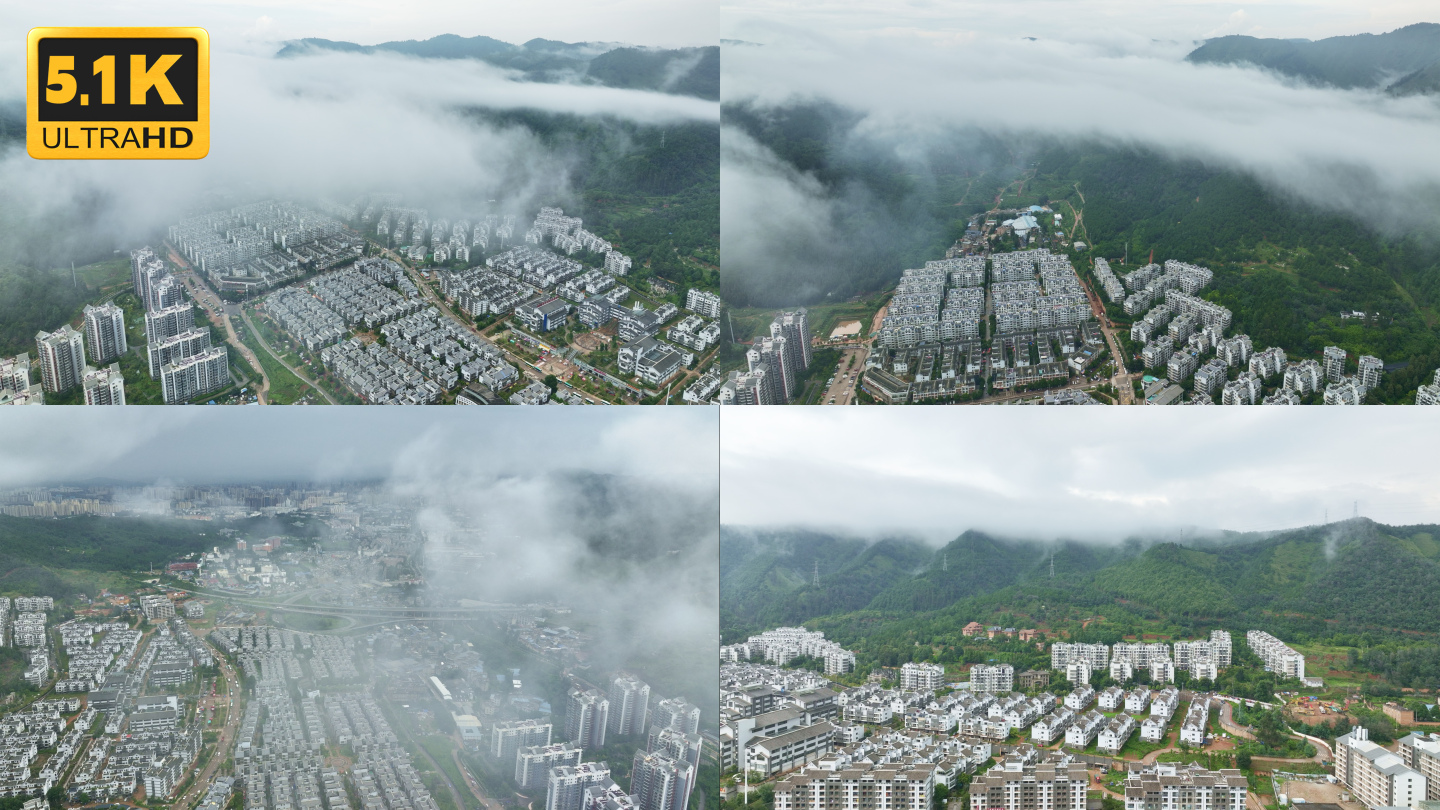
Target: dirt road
(266, 346)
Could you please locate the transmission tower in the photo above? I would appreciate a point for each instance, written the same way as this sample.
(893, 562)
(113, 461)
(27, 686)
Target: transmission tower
(945, 562)
(1052, 565)
(815, 580)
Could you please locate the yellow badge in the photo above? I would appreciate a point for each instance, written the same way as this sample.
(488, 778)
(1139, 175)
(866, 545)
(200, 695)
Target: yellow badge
(118, 93)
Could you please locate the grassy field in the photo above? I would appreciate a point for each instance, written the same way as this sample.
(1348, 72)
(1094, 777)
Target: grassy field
(824, 318)
(105, 277)
(440, 749)
(285, 387)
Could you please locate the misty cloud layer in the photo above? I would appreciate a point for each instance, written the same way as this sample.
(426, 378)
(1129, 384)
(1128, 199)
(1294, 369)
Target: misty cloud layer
(1088, 474)
(612, 512)
(1354, 152)
(332, 125)
(140, 445)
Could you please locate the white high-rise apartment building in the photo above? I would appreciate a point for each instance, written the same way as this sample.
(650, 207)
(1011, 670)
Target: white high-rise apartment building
(629, 705)
(195, 375)
(104, 386)
(105, 332)
(61, 355)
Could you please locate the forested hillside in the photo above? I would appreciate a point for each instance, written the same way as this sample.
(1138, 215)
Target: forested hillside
(1292, 274)
(1351, 577)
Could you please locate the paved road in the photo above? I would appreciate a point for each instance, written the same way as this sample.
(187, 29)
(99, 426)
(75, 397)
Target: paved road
(1322, 748)
(227, 699)
(474, 786)
(219, 313)
(266, 346)
(404, 729)
(852, 359)
(1227, 721)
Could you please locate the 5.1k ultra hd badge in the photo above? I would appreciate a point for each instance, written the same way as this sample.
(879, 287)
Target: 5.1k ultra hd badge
(118, 93)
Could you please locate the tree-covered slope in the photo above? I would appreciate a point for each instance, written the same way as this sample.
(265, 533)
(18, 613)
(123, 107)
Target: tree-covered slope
(767, 576)
(1355, 575)
(1359, 61)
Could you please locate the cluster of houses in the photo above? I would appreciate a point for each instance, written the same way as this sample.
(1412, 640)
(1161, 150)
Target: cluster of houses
(254, 247)
(1179, 330)
(784, 644)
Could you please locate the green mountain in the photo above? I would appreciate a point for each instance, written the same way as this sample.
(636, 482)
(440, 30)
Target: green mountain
(766, 576)
(682, 71)
(1356, 576)
(1359, 61)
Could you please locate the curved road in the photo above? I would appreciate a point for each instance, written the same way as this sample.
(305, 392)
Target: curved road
(215, 308)
(227, 732)
(266, 346)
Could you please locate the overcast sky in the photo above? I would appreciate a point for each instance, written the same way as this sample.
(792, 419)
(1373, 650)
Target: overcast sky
(247, 24)
(1082, 473)
(1184, 20)
(147, 445)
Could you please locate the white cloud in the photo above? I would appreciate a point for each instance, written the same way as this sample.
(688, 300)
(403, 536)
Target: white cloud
(1084, 473)
(335, 124)
(922, 78)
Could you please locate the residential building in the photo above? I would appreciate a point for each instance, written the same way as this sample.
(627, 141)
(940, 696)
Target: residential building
(1078, 672)
(1115, 734)
(1192, 731)
(1062, 653)
(1168, 786)
(795, 327)
(1422, 753)
(104, 386)
(533, 763)
(587, 714)
(1370, 370)
(1333, 361)
(508, 737)
(996, 678)
(157, 607)
(768, 756)
(703, 303)
(1375, 776)
(675, 713)
(195, 376)
(1025, 783)
(61, 355)
(921, 676)
(629, 706)
(859, 787)
(565, 785)
(105, 332)
(1051, 728)
(659, 781)
(1137, 700)
(1111, 699)
(1278, 658)
(1085, 729)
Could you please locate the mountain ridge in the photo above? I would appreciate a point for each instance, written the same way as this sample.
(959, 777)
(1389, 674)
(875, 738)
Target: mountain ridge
(1405, 61)
(691, 71)
(1354, 573)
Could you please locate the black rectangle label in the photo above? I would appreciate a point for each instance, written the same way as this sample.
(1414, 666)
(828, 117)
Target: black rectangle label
(118, 79)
